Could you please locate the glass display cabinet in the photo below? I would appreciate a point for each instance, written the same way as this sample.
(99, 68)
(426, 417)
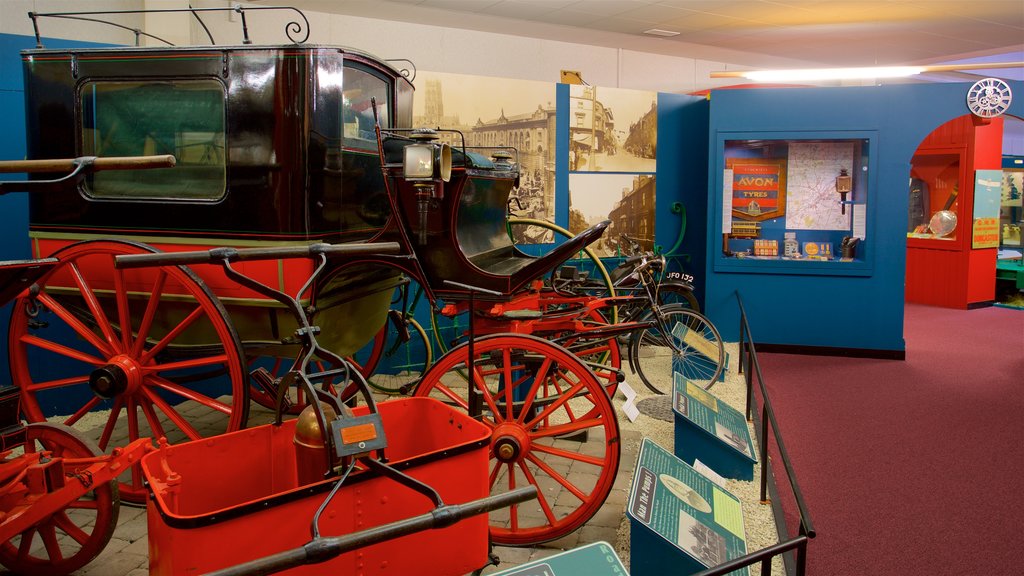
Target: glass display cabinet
(795, 204)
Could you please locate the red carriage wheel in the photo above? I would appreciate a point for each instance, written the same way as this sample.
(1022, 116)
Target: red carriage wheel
(601, 353)
(536, 397)
(124, 354)
(70, 538)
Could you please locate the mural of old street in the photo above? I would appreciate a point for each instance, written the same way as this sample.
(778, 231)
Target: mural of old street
(625, 199)
(612, 130)
(500, 112)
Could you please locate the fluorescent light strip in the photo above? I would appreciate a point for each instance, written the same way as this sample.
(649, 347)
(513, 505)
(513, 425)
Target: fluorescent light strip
(811, 74)
(660, 32)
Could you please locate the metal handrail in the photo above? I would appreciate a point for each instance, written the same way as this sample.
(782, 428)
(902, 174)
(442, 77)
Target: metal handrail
(749, 366)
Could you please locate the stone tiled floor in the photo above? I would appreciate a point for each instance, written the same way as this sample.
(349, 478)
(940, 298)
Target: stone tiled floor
(127, 553)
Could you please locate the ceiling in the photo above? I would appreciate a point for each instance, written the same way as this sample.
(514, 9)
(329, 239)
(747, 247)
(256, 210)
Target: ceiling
(753, 33)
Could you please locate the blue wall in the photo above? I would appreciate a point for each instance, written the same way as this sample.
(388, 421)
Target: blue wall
(14, 243)
(863, 307)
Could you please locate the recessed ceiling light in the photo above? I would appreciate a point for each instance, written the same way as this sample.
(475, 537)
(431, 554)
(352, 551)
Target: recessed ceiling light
(660, 32)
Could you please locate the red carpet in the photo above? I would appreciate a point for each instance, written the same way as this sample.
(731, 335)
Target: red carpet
(912, 467)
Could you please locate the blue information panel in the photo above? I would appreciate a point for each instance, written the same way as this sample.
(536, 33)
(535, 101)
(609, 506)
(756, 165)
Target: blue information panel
(597, 559)
(711, 431)
(680, 518)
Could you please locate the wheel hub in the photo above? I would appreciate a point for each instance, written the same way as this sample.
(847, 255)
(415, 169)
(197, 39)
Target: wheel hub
(510, 443)
(121, 375)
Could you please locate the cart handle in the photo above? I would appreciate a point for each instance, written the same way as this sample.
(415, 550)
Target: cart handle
(94, 163)
(216, 255)
(324, 549)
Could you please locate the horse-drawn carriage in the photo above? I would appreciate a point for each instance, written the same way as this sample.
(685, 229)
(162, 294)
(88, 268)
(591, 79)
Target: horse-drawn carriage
(280, 148)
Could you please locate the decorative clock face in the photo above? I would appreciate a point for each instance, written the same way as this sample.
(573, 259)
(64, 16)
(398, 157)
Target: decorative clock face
(989, 98)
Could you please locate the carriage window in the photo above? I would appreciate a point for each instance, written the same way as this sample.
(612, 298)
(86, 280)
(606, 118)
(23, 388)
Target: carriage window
(357, 112)
(180, 117)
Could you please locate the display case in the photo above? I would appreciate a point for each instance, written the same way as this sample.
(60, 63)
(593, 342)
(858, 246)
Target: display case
(933, 212)
(795, 204)
(1011, 205)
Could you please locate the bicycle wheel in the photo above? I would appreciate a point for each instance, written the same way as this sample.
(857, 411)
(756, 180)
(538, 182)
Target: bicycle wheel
(405, 355)
(73, 536)
(681, 341)
(536, 397)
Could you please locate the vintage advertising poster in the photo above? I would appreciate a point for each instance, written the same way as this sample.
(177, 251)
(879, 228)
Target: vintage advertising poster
(758, 188)
(988, 186)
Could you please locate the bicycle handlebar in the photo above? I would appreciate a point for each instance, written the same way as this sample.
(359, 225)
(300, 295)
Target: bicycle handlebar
(323, 549)
(215, 255)
(96, 164)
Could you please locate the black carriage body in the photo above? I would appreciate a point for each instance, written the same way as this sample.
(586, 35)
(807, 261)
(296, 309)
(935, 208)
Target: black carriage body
(273, 143)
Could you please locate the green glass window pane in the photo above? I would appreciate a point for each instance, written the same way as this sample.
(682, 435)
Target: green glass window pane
(361, 88)
(180, 117)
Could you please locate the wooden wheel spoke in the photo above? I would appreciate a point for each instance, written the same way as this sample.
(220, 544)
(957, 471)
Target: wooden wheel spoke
(576, 425)
(556, 476)
(85, 409)
(493, 477)
(123, 316)
(72, 381)
(188, 394)
(108, 428)
(514, 511)
(174, 333)
(70, 528)
(147, 318)
(172, 414)
(480, 382)
(61, 350)
(544, 506)
(569, 454)
(540, 376)
(152, 418)
(25, 546)
(562, 401)
(132, 411)
(49, 535)
(216, 359)
(102, 322)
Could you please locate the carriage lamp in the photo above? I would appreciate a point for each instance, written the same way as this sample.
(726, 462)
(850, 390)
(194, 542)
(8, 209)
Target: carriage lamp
(844, 184)
(427, 162)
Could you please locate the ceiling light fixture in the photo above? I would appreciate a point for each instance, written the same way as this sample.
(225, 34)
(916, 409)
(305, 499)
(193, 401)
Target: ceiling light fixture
(809, 74)
(660, 32)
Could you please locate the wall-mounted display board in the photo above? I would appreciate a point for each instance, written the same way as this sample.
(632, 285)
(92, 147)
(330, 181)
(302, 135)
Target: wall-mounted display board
(711, 431)
(680, 521)
(792, 203)
(597, 559)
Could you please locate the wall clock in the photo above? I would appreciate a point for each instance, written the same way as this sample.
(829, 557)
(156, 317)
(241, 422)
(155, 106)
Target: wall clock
(989, 98)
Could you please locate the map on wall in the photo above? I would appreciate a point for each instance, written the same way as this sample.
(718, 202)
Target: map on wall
(813, 203)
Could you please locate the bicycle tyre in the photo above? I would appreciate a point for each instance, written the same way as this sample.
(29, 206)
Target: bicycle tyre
(698, 355)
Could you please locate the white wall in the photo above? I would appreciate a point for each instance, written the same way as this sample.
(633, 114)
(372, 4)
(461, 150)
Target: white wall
(434, 48)
(14, 19)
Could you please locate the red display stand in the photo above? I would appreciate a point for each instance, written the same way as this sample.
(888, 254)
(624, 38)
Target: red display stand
(947, 271)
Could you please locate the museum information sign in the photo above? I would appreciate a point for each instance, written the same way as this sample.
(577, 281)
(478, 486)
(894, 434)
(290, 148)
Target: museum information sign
(711, 431)
(680, 517)
(597, 559)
